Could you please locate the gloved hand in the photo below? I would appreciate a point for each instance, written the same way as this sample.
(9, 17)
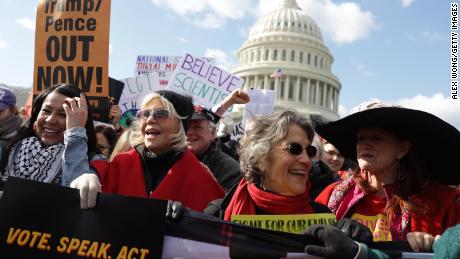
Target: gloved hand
(89, 186)
(335, 244)
(174, 210)
(355, 230)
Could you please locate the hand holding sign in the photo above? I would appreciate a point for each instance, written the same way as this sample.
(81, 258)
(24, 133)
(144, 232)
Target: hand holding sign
(76, 111)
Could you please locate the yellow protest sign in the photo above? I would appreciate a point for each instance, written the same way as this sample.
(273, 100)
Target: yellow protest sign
(296, 223)
(72, 46)
(378, 225)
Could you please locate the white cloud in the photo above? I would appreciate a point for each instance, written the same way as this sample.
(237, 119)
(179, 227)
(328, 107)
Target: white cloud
(110, 48)
(345, 22)
(27, 23)
(183, 40)
(343, 111)
(443, 107)
(431, 36)
(361, 68)
(406, 3)
(3, 44)
(207, 13)
(223, 60)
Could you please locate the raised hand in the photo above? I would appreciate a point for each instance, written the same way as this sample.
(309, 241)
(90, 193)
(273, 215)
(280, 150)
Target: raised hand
(76, 110)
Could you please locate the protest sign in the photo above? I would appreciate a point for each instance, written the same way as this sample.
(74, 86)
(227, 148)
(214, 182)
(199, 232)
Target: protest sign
(72, 46)
(237, 131)
(45, 221)
(262, 102)
(163, 66)
(295, 223)
(207, 84)
(136, 88)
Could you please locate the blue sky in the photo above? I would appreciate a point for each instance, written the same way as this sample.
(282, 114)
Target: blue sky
(393, 50)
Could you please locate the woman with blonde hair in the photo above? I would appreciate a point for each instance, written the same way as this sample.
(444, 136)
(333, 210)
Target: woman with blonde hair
(161, 166)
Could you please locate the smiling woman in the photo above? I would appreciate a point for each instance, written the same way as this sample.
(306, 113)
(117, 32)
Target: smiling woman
(57, 141)
(161, 166)
(275, 160)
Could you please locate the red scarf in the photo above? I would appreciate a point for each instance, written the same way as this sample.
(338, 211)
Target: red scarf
(247, 197)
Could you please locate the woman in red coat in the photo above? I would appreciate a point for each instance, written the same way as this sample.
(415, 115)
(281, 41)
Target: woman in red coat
(403, 177)
(160, 166)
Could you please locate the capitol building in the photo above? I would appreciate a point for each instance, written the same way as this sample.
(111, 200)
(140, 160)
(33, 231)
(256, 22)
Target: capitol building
(290, 40)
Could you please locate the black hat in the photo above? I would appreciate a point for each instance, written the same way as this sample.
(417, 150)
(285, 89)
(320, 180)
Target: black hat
(430, 137)
(183, 105)
(201, 113)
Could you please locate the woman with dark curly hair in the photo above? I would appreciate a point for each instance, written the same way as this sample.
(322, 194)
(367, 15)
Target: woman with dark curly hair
(57, 141)
(275, 160)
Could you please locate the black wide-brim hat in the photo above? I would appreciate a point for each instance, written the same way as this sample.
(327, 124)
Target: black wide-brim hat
(434, 140)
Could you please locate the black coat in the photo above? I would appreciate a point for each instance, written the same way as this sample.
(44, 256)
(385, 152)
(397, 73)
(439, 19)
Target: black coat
(223, 167)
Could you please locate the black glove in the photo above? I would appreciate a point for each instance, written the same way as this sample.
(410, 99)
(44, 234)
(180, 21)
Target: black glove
(335, 244)
(355, 230)
(174, 210)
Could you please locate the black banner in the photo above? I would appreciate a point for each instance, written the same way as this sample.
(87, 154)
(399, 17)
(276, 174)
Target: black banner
(39, 220)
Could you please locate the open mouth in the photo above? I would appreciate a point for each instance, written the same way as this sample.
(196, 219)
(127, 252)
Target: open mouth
(50, 131)
(152, 132)
(298, 173)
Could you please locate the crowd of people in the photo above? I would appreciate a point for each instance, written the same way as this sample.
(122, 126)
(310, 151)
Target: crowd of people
(383, 161)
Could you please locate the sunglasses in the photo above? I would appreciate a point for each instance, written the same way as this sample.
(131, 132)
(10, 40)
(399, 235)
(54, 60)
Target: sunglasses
(296, 149)
(158, 114)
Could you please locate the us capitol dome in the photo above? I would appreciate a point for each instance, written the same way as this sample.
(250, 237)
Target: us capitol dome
(290, 40)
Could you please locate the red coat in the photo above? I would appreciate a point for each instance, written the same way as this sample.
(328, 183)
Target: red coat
(440, 200)
(187, 181)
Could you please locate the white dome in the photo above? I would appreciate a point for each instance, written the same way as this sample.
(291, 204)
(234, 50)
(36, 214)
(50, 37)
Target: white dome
(288, 40)
(287, 18)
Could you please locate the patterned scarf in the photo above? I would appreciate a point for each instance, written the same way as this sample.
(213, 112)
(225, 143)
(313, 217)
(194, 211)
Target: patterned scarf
(29, 159)
(343, 193)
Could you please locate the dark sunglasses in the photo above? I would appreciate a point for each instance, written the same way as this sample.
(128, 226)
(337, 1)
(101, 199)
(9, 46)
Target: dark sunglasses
(296, 149)
(157, 114)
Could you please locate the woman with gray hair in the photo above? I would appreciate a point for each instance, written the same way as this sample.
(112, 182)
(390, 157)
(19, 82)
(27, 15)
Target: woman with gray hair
(161, 166)
(275, 160)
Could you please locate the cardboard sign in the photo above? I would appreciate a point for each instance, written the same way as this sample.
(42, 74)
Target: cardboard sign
(163, 66)
(262, 103)
(207, 84)
(136, 88)
(45, 221)
(72, 46)
(296, 223)
(237, 131)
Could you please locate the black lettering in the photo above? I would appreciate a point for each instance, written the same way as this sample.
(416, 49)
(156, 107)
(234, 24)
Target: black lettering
(43, 78)
(72, 48)
(59, 70)
(53, 41)
(85, 48)
(79, 78)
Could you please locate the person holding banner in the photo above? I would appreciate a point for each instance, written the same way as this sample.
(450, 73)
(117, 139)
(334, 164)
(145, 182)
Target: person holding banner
(161, 167)
(275, 160)
(58, 140)
(401, 185)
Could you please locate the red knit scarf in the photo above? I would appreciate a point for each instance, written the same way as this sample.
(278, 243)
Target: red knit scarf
(247, 196)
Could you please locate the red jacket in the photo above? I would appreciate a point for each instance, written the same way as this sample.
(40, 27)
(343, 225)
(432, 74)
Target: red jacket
(187, 181)
(440, 200)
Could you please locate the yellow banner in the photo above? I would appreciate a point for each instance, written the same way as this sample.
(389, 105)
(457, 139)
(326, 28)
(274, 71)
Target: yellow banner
(285, 223)
(377, 224)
